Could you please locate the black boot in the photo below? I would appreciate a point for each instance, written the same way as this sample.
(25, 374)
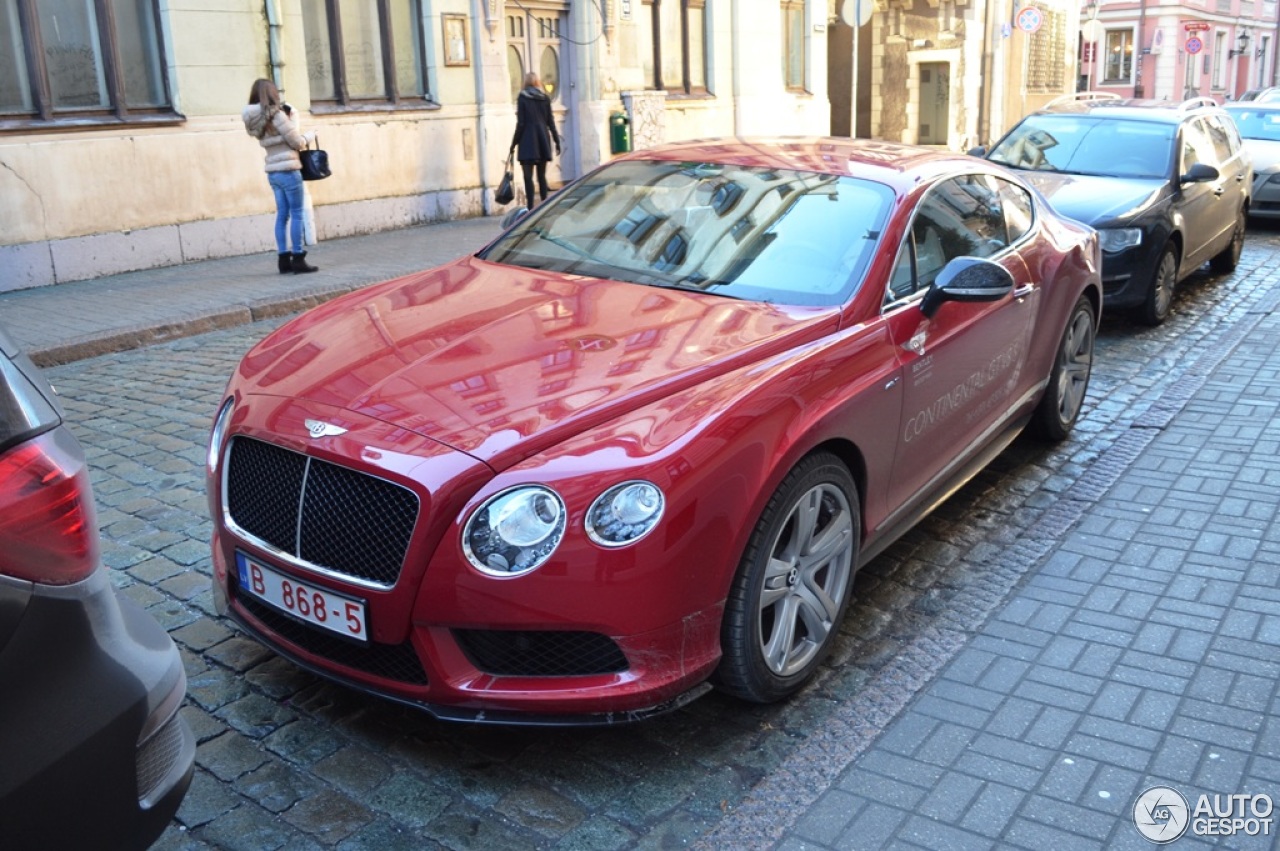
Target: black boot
(284, 262)
(300, 263)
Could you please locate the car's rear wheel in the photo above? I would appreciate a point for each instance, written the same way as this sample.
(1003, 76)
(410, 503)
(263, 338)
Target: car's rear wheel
(1228, 258)
(794, 583)
(1058, 410)
(1155, 308)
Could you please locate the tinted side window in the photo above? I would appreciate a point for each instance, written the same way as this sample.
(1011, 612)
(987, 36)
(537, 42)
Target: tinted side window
(1220, 139)
(1019, 210)
(1226, 139)
(1196, 146)
(959, 217)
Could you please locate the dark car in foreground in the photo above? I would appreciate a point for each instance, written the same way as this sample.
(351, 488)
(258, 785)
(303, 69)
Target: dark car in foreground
(1166, 184)
(1259, 126)
(642, 441)
(93, 753)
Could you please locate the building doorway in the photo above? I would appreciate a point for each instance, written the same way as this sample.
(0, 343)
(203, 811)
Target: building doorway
(534, 43)
(935, 103)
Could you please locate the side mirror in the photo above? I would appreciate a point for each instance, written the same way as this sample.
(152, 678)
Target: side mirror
(1200, 173)
(980, 151)
(514, 216)
(967, 279)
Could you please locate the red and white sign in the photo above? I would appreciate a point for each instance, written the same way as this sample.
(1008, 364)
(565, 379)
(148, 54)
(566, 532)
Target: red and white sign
(1195, 26)
(1029, 19)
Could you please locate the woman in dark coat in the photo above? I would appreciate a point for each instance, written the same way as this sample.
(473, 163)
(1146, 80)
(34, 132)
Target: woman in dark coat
(535, 131)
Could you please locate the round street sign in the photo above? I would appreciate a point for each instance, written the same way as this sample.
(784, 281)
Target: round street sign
(1194, 45)
(856, 13)
(1029, 19)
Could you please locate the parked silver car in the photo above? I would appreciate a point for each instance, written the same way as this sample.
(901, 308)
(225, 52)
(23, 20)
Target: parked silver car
(1259, 125)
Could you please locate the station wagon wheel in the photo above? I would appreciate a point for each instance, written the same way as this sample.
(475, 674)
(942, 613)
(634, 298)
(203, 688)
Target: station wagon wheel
(793, 585)
(1227, 259)
(1058, 410)
(1159, 298)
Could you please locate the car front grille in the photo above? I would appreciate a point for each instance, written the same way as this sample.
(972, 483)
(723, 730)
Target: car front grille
(158, 756)
(397, 662)
(322, 514)
(538, 653)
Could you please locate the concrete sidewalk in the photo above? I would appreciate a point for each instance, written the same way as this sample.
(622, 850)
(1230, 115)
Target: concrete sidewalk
(67, 322)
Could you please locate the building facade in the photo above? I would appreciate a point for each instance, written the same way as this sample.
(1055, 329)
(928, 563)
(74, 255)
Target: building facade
(1173, 51)
(122, 148)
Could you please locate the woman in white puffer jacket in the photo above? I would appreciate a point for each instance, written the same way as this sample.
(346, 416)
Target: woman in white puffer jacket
(271, 121)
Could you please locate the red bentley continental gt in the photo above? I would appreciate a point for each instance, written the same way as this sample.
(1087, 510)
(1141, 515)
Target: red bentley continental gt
(640, 443)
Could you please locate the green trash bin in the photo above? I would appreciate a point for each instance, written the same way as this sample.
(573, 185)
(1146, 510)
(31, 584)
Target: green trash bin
(619, 133)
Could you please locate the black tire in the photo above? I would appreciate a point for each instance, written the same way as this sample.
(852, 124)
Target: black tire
(1228, 258)
(788, 597)
(1159, 299)
(1063, 398)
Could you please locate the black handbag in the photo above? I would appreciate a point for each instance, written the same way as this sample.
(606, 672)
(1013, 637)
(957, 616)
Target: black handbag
(506, 189)
(315, 162)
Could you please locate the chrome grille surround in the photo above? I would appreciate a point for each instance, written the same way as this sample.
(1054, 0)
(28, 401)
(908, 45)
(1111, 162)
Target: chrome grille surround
(316, 515)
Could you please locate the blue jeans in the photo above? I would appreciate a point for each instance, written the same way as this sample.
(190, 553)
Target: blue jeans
(287, 185)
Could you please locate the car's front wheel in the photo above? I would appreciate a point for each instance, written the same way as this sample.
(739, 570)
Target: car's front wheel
(793, 584)
(1228, 258)
(1155, 307)
(1058, 410)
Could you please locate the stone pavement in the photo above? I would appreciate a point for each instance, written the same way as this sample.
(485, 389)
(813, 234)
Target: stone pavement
(1141, 648)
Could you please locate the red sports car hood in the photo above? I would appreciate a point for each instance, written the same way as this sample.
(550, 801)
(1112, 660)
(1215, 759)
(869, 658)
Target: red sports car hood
(494, 360)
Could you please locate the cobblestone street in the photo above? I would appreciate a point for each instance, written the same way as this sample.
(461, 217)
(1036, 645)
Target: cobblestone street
(287, 760)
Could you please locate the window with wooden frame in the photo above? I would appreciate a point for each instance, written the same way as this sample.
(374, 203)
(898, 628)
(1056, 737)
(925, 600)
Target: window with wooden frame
(82, 62)
(673, 45)
(793, 58)
(1118, 64)
(365, 54)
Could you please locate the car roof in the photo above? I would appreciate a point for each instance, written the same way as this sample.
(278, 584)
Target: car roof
(1253, 106)
(899, 165)
(1141, 109)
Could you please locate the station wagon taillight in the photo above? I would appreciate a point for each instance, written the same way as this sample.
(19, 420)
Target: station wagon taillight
(48, 529)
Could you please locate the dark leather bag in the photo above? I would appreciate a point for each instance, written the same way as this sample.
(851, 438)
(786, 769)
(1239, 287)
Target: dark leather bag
(315, 162)
(506, 189)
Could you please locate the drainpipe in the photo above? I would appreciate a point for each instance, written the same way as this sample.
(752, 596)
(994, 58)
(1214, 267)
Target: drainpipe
(735, 14)
(478, 13)
(984, 105)
(273, 42)
(1139, 90)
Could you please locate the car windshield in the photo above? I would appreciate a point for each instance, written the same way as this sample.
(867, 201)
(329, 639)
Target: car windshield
(1082, 144)
(764, 234)
(1261, 124)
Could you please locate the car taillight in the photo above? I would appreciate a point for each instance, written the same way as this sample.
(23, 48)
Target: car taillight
(48, 528)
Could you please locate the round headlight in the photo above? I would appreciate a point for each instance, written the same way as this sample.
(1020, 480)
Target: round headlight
(515, 531)
(625, 513)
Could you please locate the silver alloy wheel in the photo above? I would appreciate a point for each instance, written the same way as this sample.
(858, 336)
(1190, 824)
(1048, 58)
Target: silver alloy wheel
(1166, 280)
(809, 568)
(1077, 364)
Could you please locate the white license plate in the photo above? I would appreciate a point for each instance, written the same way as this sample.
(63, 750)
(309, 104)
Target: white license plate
(325, 609)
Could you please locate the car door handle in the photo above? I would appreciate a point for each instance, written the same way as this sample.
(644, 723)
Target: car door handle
(1024, 291)
(1219, 191)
